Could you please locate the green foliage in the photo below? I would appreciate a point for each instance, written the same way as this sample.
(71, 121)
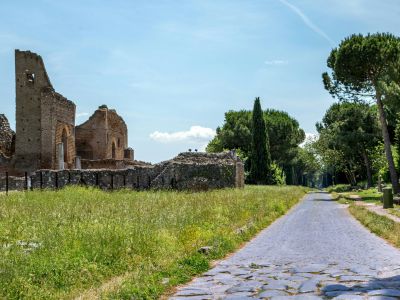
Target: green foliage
(283, 131)
(59, 244)
(278, 176)
(363, 65)
(339, 188)
(347, 135)
(366, 68)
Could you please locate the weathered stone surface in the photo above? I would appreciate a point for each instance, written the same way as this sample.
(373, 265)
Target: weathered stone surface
(88, 178)
(272, 293)
(14, 183)
(7, 136)
(335, 287)
(309, 286)
(385, 292)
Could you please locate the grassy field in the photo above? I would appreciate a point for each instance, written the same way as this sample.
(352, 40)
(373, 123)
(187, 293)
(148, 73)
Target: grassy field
(80, 242)
(380, 225)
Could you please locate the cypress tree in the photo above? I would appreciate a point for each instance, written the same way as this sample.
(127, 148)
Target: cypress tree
(397, 140)
(260, 156)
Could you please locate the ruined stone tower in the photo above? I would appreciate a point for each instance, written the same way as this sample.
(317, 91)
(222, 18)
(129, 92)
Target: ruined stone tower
(44, 118)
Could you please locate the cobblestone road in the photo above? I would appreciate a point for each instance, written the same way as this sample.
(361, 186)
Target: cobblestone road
(317, 251)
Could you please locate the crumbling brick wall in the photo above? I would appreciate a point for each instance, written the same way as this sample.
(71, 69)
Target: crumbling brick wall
(7, 137)
(39, 110)
(103, 136)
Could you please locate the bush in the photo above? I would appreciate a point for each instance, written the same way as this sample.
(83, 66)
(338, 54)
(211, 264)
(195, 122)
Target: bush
(340, 188)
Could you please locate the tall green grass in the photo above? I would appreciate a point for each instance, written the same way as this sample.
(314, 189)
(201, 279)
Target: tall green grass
(380, 225)
(60, 244)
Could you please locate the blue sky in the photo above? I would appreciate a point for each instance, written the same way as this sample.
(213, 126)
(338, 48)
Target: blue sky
(172, 68)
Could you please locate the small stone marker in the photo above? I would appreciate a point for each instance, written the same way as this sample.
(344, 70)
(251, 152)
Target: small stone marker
(387, 198)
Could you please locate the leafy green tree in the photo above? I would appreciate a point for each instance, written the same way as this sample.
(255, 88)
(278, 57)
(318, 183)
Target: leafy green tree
(351, 129)
(260, 169)
(365, 68)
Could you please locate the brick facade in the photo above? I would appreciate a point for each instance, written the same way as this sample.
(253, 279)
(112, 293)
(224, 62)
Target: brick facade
(45, 119)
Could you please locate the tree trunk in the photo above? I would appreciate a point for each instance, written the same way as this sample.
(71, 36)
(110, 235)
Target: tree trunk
(386, 140)
(368, 168)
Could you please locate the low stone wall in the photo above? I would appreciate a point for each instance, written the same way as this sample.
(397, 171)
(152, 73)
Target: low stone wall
(14, 183)
(111, 164)
(187, 171)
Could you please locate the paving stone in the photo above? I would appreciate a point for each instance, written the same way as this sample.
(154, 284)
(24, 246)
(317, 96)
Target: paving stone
(241, 288)
(193, 298)
(309, 286)
(193, 292)
(297, 278)
(335, 287)
(242, 296)
(339, 293)
(367, 286)
(297, 297)
(276, 285)
(382, 298)
(385, 292)
(347, 278)
(313, 268)
(349, 297)
(390, 284)
(271, 293)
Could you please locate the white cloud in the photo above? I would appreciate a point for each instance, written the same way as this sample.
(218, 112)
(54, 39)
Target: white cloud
(307, 21)
(195, 133)
(82, 114)
(276, 62)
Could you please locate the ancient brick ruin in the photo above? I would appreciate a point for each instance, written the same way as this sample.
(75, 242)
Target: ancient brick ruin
(46, 135)
(51, 151)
